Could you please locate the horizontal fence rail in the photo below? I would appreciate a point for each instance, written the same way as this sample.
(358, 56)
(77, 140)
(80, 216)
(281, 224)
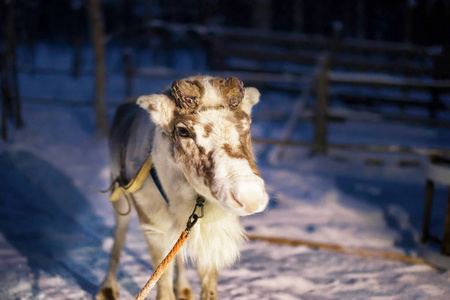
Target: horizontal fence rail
(356, 147)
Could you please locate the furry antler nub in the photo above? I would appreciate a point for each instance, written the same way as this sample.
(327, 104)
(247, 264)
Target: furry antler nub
(187, 93)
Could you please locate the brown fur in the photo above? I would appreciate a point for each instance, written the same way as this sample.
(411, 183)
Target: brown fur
(208, 128)
(231, 89)
(203, 162)
(187, 94)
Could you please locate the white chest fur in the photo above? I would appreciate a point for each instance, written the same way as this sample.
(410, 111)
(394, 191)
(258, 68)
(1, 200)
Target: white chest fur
(215, 239)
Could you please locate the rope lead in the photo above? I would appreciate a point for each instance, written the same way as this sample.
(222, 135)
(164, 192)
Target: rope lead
(193, 218)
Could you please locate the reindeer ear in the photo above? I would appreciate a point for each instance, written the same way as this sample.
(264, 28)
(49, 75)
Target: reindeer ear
(251, 97)
(159, 106)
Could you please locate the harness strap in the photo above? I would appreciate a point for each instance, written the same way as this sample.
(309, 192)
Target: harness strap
(134, 185)
(158, 183)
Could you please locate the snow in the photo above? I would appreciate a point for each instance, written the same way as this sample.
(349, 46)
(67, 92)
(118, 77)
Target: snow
(56, 229)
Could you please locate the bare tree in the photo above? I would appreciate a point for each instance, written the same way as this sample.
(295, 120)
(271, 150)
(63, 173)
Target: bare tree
(10, 89)
(96, 20)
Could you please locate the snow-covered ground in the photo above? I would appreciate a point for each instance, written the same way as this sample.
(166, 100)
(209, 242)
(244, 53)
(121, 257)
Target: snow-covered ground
(56, 229)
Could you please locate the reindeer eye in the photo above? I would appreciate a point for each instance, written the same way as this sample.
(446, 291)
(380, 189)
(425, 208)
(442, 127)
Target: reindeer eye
(183, 132)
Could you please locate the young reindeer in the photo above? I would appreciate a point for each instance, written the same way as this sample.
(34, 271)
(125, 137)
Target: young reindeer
(198, 135)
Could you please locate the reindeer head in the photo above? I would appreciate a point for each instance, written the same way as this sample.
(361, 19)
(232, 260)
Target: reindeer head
(207, 121)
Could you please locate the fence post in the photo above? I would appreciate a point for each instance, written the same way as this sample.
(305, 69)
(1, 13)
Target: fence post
(441, 71)
(446, 238)
(321, 119)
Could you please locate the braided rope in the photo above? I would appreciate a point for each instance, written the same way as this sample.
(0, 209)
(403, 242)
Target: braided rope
(163, 266)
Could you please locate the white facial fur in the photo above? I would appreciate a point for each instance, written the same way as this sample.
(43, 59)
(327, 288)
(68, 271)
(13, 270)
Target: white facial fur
(212, 147)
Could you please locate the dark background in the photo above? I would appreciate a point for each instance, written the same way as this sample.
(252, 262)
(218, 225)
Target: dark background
(424, 22)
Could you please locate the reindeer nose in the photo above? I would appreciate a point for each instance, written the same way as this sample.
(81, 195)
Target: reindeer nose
(251, 196)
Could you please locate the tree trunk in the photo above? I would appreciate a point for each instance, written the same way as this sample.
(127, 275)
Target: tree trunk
(6, 95)
(96, 20)
(10, 97)
(12, 41)
(298, 11)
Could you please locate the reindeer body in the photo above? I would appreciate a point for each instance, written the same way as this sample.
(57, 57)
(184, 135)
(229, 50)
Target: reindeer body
(199, 141)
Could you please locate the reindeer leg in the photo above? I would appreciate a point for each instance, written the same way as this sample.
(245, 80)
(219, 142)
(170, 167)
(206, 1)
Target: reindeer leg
(159, 248)
(156, 223)
(110, 288)
(182, 288)
(208, 280)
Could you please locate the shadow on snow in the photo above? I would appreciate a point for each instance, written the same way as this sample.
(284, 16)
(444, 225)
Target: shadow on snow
(46, 218)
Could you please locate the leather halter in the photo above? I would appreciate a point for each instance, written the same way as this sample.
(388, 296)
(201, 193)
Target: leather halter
(136, 183)
(157, 182)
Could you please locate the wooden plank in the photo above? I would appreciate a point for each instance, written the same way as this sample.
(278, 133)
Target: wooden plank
(340, 249)
(65, 102)
(315, 41)
(258, 67)
(416, 120)
(370, 100)
(357, 62)
(267, 141)
(390, 148)
(387, 81)
(356, 147)
(376, 117)
(298, 40)
(362, 64)
(50, 71)
(260, 54)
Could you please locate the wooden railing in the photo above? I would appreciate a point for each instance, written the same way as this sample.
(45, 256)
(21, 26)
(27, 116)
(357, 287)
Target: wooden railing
(323, 113)
(331, 58)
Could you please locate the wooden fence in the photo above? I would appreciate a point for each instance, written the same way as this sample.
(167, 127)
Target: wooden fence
(323, 113)
(341, 62)
(329, 58)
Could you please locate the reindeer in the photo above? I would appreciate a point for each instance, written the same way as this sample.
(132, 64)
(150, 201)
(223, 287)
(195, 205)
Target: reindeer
(198, 136)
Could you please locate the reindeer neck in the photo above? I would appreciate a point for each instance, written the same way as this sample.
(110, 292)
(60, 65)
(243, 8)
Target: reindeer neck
(173, 181)
(181, 195)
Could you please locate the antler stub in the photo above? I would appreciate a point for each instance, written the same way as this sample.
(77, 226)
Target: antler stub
(187, 93)
(232, 90)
